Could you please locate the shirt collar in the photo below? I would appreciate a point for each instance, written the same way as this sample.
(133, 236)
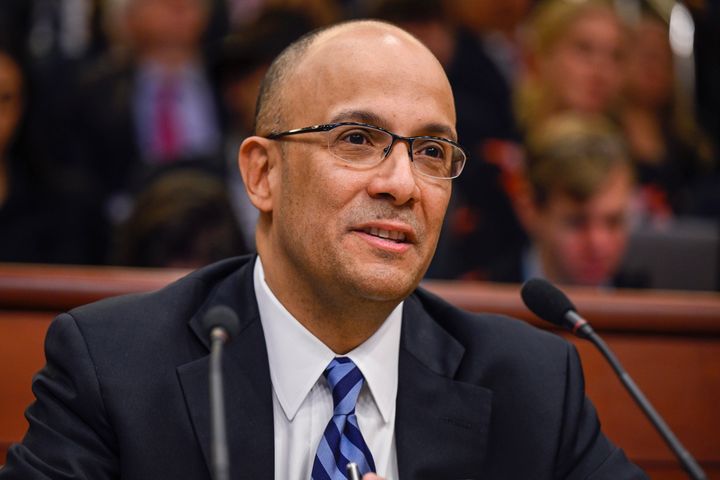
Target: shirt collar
(297, 358)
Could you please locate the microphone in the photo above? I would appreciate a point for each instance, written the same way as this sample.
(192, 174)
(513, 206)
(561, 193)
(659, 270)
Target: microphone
(221, 324)
(550, 304)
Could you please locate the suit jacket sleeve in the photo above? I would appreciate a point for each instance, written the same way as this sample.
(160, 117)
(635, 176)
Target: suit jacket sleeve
(69, 436)
(584, 451)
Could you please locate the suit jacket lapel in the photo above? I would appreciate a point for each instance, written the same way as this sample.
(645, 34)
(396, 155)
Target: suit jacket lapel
(246, 374)
(441, 425)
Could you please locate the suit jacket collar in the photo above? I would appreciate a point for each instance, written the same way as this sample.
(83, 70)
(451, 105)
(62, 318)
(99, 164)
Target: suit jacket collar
(248, 389)
(441, 425)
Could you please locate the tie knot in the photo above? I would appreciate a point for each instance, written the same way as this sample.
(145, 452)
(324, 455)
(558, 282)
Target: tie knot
(345, 381)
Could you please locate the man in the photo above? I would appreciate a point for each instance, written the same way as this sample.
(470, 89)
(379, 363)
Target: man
(349, 219)
(577, 208)
(147, 105)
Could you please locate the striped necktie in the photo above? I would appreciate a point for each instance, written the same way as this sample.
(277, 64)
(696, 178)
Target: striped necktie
(342, 441)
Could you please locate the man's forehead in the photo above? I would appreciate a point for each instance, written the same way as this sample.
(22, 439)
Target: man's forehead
(375, 43)
(367, 61)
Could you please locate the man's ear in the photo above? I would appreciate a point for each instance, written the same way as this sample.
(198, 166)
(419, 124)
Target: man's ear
(257, 161)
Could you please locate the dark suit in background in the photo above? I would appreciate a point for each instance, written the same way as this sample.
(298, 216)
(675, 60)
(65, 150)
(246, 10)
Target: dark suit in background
(125, 393)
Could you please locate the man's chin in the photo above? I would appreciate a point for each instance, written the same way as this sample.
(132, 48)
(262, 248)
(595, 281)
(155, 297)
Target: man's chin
(385, 284)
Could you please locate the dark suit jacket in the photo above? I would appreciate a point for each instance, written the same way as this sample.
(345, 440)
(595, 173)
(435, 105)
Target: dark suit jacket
(103, 140)
(125, 393)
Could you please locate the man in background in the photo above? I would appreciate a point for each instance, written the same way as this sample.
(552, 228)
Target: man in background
(577, 206)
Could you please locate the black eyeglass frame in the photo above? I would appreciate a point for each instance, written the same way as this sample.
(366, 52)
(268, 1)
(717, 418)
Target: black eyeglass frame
(386, 151)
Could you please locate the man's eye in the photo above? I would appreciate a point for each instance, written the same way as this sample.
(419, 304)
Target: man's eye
(433, 151)
(356, 138)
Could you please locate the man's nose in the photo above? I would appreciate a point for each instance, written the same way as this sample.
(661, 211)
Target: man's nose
(598, 237)
(395, 176)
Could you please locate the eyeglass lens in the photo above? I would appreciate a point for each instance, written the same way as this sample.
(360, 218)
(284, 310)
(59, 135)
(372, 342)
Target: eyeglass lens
(368, 146)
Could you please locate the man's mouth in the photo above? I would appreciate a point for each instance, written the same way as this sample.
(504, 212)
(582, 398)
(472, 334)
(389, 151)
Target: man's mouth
(393, 235)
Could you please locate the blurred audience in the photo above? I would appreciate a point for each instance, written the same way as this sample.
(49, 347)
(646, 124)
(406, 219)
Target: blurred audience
(37, 224)
(241, 63)
(575, 60)
(149, 102)
(671, 154)
(15, 17)
(577, 204)
(706, 53)
(174, 112)
(116, 92)
(182, 219)
(243, 13)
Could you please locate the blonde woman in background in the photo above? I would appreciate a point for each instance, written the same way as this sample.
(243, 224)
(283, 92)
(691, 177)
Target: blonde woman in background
(670, 152)
(574, 60)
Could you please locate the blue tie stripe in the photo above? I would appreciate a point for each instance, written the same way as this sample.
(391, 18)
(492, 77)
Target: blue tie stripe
(344, 379)
(346, 406)
(352, 433)
(325, 461)
(342, 441)
(360, 453)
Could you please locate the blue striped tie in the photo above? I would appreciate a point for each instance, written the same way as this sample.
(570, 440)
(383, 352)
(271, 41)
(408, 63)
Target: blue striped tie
(342, 441)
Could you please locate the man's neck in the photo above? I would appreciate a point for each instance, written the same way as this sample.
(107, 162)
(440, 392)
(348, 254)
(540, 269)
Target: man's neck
(338, 320)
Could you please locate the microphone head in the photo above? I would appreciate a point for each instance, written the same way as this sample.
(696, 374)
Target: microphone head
(224, 317)
(546, 300)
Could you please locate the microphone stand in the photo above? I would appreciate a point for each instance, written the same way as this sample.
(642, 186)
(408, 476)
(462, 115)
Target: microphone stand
(220, 462)
(584, 330)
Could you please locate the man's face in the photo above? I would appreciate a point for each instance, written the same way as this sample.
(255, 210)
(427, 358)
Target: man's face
(168, 23)
(330, 219)
(582, 243)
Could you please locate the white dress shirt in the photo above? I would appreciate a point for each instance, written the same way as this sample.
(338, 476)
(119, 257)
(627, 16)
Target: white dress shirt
(302, 399)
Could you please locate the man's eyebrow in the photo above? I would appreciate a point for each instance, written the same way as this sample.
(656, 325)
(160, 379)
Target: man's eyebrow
(362, 116)
(440, 130)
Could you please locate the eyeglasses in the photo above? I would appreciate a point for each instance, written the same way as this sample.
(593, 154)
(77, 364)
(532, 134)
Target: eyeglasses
(367, 145)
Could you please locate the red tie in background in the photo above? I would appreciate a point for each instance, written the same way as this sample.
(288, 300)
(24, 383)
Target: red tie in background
(167, 145)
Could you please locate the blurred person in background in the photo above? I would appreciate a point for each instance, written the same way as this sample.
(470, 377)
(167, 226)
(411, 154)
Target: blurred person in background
(150, 102)
(576, 207)
(243, 13)
(672, 156)
(575, 60)
(17, 220)
(36, 224)
(173, 105)
(15, 18)
(240, 65)
(54, 40)
(481, 224)
(706, 52)
(182, 219)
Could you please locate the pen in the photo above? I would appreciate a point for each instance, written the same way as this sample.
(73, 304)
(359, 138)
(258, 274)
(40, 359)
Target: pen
(353, 471)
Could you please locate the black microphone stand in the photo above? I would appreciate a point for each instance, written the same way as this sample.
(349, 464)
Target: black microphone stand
(218, 448)
(584, 330)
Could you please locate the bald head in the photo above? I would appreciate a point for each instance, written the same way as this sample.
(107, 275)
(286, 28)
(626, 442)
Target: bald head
(327, 51)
